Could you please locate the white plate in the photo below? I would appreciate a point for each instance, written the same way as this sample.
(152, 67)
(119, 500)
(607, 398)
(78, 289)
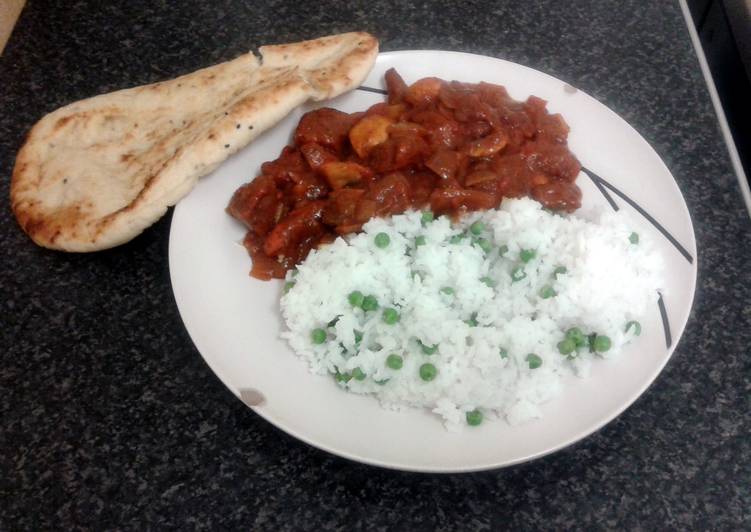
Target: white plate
(234, 320)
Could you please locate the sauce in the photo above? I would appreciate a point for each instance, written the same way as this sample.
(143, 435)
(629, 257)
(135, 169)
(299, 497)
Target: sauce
(445, 146)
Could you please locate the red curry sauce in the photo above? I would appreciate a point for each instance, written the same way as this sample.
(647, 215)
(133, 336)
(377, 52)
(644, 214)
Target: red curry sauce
(448, 146)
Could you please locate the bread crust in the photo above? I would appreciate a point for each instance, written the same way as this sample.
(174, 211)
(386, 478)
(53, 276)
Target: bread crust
(94, 174)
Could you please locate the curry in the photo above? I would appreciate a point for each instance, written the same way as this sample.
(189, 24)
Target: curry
(448, 147)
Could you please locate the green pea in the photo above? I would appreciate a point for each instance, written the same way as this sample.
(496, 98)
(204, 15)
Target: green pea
(420, 241)
(390, 316)
(382, 240)
(428, 349)
(576, 334)
(447, 290)
(342, 377)
(318, 336)
(369, 303)
(358, 374)
(487, 281)
(633, 238)
(546, 292)
(517, 274)
(456, 239)
(358, 336)
(534, 361)
(636, 325)
(484, 244)
(355, 298)
(477, 228)
(559, 270)
(503, 352)
(601, 343)
(474, 417)
(394, 362)
(428, 372)
(426, 218)
(502, 250)
(288, 286)
(566, 346)
(527, 255)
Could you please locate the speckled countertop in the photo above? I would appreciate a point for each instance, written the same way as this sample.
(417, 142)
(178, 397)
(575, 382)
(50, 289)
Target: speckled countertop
(111, 419)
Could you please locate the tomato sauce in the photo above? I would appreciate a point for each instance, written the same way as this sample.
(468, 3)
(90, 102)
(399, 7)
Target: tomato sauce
(445, 146)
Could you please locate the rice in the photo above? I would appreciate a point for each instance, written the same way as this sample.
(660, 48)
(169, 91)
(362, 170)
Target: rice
(473, 300)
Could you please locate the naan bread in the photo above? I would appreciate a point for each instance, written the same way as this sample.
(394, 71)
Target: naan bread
(96, 173)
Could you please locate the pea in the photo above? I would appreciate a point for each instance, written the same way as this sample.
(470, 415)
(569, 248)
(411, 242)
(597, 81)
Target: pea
(591, 342)
(369, 303)
(420, 241)
(477, 228)
(503, 352)
(426, 218)
(382, 240)
(576, 334)
(534, 361)
(355, 298)
(358, 374)
(546, 292)
(566, 346)
(601, 343)
(318, 336)
(428, 349)
(517, 274)
(428, 372)
(559, 270)
(456, 239)
(484, 244)
(390, 316)
(288, 286)
(447, 290)
(358, 336)
(527, 255)
(394, 362)
(633, 238)
(636, 325)
(342, 377)
(502, 250)
(474, 417)
(487, 281)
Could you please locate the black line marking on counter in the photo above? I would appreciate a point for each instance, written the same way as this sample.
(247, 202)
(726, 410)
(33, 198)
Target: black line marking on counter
(665, 321)
(601, 188)
(683, 251)
(371, 89)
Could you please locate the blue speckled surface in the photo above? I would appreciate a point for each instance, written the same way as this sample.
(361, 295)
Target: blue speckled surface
(111, 419)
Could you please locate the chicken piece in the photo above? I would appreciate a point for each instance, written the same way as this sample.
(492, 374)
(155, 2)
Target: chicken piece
(340, 174)
(368, 133)
(325, 126)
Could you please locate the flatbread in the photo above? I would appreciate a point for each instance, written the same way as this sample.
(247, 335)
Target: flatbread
(96, 173)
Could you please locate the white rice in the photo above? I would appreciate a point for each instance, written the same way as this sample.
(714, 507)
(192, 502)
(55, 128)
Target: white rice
(609, 282)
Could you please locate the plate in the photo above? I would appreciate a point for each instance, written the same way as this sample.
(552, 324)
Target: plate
(234, 320)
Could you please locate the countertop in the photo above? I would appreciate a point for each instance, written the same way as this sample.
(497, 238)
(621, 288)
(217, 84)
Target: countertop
(111, 419)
